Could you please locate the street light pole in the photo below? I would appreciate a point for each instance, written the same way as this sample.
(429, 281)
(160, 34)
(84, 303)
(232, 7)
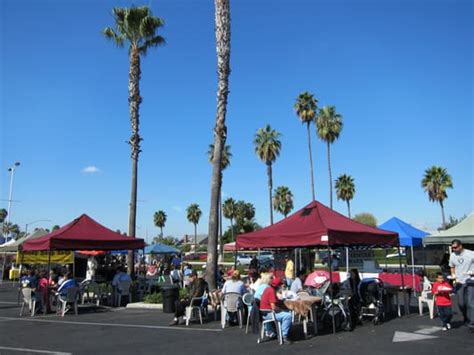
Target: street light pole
(39, 220)
(12, 173)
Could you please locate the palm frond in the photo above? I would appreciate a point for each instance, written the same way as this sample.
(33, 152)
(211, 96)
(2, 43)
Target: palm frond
(152, 42)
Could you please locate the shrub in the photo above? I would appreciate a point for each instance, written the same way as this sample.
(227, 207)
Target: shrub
(153, 298)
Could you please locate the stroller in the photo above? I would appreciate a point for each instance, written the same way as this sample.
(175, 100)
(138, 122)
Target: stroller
(372, 295)
(338, 307)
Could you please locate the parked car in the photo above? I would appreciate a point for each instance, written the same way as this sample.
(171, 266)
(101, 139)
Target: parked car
(244, 259)
(264, 255)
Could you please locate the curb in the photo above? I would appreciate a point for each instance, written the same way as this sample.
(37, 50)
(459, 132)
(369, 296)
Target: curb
(142, 305)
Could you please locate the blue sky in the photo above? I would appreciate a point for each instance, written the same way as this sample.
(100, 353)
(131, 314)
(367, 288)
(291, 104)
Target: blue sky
(400, 73)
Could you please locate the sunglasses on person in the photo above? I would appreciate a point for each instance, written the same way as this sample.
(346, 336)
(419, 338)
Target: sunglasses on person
(455, 247)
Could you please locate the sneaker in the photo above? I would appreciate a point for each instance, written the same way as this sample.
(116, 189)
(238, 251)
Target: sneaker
(174, 322)
(445, 328)
(448, 325)
(287, 341)
(271, 335)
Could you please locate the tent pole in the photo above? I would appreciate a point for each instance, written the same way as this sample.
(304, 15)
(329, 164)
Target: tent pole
(331, 291)
(347, 259)
(401, 273)
(413, 269)
(47, 306)
(386, 263)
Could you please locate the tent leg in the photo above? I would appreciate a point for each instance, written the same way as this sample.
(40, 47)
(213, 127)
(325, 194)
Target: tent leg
(347, 259)
(401, 275)
(331, 291)
(46, 306)
(386, 263)
(413, 270)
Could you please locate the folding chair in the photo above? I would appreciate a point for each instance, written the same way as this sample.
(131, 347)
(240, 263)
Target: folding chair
(123, 290)
(426, 296)
(232, 302)
(247, 299)
(72, 296)
(196, 308)
(272, 319)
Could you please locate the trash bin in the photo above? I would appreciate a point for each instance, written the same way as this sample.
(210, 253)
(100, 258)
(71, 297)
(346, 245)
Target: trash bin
(170, 295)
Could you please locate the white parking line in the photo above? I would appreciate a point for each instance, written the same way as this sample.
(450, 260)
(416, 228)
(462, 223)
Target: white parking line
(8, 302)
(34, 351)
(126, 325)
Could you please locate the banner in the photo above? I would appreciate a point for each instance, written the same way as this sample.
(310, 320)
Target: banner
(42, 257)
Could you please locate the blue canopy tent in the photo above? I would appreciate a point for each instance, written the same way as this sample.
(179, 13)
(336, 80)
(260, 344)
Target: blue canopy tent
(160, 249)
(408, 235)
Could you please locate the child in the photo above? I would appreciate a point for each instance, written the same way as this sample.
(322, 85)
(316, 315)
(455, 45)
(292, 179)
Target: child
(442, 290)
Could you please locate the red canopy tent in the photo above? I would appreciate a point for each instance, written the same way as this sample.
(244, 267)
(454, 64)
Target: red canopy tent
(316, 225)
(83, 234)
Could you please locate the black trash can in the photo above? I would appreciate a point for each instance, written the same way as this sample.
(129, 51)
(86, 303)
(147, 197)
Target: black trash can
(170, 295)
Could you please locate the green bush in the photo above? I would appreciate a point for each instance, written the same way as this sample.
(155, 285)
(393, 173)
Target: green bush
(153, 298)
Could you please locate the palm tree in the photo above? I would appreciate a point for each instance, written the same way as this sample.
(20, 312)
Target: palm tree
(194, 214)
(328, 128)
(345, 190)
(229, 212)
(435, 182)
(3, 214)
(283, 200)
(137, 27)
(9, 228)
(305, 107)
(222, 30)
(267, 147)
(159, 218)
(225, 162)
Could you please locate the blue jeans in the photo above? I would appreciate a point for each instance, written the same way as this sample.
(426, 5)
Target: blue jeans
(284, 318)
(465, 294)
(445, 314)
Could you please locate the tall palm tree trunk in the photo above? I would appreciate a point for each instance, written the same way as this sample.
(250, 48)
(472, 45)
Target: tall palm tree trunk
(222, 29)
(161, 232)
(349, 208)
(330, 175)
(270, 188)
(134, 101)
(311, 162)
(442, 213)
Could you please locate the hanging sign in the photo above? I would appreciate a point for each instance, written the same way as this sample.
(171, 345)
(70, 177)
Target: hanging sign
(42, 257)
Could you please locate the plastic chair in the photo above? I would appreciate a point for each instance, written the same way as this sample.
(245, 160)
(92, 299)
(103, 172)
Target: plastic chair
(426, 297)
(72, 296)
(232, 302)
(247, 299)
(196, 307)
(272, 319)
(29, 300)
(123, 289)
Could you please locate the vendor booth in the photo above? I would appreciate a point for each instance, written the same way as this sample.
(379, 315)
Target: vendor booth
(464, 231)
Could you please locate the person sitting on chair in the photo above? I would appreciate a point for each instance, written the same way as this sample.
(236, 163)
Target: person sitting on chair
(67, 283)
(269, 301)
(297, 285)
(234, 285)
(197, 288)
(121, 276)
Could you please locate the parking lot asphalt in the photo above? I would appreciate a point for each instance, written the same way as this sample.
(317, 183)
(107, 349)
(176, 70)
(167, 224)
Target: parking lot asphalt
(135, 331)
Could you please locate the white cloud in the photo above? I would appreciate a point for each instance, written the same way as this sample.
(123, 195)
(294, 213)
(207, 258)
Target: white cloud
(177, 208)
(91, 169)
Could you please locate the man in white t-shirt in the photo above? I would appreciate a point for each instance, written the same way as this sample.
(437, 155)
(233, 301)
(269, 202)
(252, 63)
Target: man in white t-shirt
(461, 263)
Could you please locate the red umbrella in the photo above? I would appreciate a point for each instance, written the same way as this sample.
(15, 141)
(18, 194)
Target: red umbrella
(317, 278)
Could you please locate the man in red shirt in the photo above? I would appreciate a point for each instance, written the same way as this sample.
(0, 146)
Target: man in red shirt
(442, 291)
(269, 301)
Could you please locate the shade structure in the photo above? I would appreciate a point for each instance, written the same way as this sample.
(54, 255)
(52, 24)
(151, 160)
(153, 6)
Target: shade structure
(83, 233)
(160, 249)
(463, 231)
(409, 236)
(229, 246)
(13, 246)
(316, 225)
